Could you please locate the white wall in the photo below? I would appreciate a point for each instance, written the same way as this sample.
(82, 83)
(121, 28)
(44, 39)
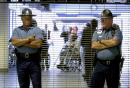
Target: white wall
(3, 35)
(125, 50)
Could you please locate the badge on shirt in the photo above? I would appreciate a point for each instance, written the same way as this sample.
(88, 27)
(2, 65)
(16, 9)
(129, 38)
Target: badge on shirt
(99, 32)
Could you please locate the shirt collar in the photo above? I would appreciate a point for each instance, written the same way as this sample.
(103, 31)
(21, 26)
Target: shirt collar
(106, 30)
(22, 28)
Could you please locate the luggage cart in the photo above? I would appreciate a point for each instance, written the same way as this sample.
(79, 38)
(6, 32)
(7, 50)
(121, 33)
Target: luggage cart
(72, 60)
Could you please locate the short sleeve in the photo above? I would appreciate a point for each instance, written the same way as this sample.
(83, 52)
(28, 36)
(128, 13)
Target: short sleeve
(118, 35)
(39, 34)
(94, 37)
(15, 33)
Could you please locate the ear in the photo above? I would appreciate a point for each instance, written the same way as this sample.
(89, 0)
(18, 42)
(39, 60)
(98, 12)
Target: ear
(112, 19)
(21, 18)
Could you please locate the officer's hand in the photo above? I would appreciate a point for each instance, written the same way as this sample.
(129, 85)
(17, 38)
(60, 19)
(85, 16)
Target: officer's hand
(31, 38)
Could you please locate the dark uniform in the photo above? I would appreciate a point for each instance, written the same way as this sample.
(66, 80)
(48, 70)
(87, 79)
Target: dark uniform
(108, 59)
(45, 46)
(28, 59)
(88, 52)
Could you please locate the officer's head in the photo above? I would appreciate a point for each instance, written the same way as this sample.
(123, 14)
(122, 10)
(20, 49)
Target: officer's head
(26, 17)
(106, 18)
(73, 33)
(94, 23)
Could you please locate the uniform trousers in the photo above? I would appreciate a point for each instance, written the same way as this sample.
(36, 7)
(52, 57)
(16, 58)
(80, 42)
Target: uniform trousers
(106, 71)
(29, 68)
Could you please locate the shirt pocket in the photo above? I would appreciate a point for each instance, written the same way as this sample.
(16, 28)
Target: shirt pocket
(31, 33)
(22, 34)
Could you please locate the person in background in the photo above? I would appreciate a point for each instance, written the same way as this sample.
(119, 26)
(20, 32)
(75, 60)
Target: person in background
(65, 34)
(34, 23)
(88, 52)
(72, 43)
(116, 26)
(45, 46)
(28, 40)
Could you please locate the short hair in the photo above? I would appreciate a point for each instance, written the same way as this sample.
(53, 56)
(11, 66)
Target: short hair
(88, 25)
(94, 23)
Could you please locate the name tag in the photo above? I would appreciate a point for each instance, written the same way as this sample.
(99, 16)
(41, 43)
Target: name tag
(100, 36)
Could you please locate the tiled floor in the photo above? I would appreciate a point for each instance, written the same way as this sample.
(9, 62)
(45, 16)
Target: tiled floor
(53, 78)
(3, 79)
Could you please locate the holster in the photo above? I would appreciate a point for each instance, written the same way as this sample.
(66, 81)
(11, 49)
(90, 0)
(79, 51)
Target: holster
(94, 59)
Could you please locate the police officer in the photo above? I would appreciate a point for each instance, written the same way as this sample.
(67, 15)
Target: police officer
(28, 39)
(88, 52)
(107, 55)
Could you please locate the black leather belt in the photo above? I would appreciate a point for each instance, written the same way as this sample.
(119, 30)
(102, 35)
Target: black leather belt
(27, 55)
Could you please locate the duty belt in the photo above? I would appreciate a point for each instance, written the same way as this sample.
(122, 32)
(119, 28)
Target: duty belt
(27, 55)
(105, 62)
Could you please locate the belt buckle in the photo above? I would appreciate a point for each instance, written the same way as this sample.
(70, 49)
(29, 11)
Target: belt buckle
(26, 55)
(108, 62)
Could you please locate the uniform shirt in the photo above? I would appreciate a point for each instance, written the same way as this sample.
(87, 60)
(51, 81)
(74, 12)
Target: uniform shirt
(108, 53)
(20, 32)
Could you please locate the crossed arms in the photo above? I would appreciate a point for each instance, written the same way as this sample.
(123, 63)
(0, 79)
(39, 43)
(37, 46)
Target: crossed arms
(102, 44)
(29, 42)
